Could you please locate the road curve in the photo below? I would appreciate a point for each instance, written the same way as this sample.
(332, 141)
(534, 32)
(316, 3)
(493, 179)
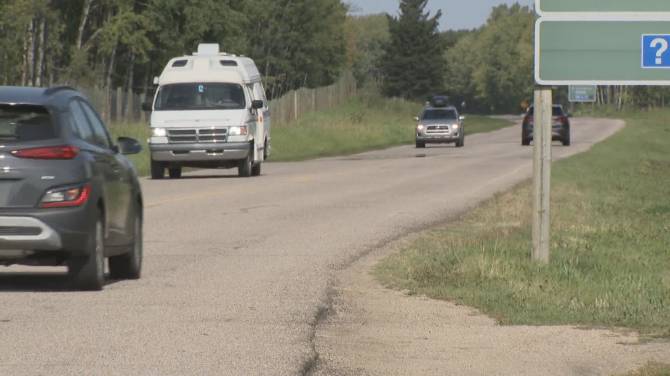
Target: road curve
(237, 271)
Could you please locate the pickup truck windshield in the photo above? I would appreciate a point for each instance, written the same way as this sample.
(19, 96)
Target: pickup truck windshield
(200, 96)
(25, 124)
(440, 115)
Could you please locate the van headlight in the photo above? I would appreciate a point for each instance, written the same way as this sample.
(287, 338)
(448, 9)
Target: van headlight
(159, 132)
(238, 131)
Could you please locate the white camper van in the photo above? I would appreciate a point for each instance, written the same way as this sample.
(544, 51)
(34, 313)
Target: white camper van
(209, 111)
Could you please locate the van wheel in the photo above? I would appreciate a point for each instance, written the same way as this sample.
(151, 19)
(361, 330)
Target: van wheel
(256, 170)
(157, 170)
(129, 266)
(88, 272)
(244, 169)
(175, 172)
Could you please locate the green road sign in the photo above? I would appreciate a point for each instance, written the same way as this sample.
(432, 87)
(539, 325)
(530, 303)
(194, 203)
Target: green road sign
(602, 6)
(601, 52)
(582, 93)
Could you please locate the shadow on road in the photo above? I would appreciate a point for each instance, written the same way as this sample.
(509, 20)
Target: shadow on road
(38, 282)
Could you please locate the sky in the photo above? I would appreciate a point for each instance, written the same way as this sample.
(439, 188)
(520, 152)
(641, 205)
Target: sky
(456, 14)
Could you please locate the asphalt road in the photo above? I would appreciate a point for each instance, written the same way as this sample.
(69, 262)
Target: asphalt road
(238, 271)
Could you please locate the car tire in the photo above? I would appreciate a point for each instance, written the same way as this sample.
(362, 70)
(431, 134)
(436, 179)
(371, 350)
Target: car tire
(157, 170)
(129, 265)
(266, 151)
(244, 169)
(567, 140)
(88, 272)
(420, 145)
(256, 169)
(525, 142)
(175, 172)
(460, 143)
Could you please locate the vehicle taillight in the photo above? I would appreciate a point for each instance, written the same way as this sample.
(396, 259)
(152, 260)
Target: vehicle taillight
(66, 197)
(51, 152)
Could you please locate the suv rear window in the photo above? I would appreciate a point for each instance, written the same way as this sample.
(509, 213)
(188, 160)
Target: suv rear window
(439, 115)
(25, 124)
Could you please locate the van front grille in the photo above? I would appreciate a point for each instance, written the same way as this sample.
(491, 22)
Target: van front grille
(197, 136)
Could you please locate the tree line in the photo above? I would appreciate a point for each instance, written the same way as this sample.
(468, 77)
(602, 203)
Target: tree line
(124, 43)
(488, 69)
(296, 43)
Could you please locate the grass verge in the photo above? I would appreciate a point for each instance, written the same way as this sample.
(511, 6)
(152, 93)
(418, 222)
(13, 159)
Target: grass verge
(610, 236)
(652, 369)
(358, 125)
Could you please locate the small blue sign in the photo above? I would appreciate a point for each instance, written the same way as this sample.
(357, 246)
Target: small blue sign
(656, 51)
(201, 89)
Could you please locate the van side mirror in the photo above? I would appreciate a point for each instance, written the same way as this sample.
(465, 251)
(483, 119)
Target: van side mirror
(147, 107)
(257, 104)
(156, 80)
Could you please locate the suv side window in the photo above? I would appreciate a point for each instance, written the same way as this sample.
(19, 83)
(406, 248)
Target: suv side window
(79, 122)
(100, 135)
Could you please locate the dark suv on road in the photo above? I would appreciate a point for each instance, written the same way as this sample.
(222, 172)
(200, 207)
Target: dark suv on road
(68, 196)
(560, 125)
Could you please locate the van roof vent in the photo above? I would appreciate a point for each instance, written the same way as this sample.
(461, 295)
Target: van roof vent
(208, 49)
(179, 63)
(229, 63)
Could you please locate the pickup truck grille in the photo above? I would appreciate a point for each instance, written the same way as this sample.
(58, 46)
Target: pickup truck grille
(197, 136)
(20, 231)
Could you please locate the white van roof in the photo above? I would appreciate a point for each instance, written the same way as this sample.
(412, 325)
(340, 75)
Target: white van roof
(210, 65)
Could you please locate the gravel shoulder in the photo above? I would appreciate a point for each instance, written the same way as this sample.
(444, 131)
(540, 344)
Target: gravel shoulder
(373, 331)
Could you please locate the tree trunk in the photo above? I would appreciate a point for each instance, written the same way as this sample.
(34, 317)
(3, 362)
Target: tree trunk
(86, 9)
(39, 66)
(31, 53)
(127, 108)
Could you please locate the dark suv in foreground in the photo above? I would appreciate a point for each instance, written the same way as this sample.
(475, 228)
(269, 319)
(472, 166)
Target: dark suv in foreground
(560, 125)
(68, 196)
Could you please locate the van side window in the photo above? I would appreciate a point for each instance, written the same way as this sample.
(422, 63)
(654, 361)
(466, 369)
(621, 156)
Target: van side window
(100, 135)
(259, 92)
(79, 122)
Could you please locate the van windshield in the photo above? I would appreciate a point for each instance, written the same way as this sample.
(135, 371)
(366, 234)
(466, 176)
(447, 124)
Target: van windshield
(200, 96)
(25, 124)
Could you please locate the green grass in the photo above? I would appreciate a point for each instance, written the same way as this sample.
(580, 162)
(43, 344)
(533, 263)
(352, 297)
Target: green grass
(652, 369)
(610, 243)
(358, 125)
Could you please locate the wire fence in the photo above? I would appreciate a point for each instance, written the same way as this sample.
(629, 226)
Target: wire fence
(119, 106)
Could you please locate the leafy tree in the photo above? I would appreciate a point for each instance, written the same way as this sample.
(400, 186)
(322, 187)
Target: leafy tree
(366, 38)
(413, 65)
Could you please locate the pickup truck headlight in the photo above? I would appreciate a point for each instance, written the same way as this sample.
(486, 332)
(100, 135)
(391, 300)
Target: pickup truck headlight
(239, 131)
(159, 132)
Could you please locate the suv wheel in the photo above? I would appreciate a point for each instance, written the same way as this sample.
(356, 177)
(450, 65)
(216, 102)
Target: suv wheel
(129, 266)
(420, 145)
(175, 172)
(157, 170)
(567, 140)
(88, 272)
(525, 141)
(461, 142)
